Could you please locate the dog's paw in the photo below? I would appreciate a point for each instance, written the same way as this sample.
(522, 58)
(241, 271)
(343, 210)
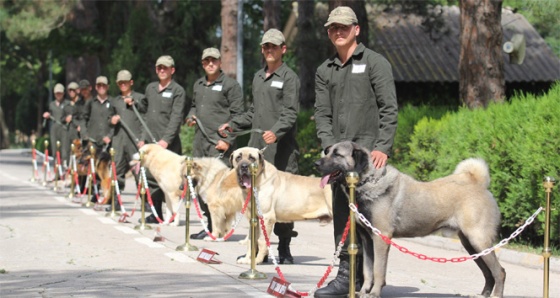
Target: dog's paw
(245, 260)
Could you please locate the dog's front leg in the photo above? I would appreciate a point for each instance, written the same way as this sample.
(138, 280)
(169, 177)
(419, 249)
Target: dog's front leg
(368, 257)
(381, 252)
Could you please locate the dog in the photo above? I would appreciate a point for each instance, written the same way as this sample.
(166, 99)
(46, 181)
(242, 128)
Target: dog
(400, 206)
(216, 184)
(102, 167)
(283, 197)
(167, 168)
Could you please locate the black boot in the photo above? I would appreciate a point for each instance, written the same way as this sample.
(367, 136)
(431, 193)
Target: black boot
(339, 287)
(284, 253)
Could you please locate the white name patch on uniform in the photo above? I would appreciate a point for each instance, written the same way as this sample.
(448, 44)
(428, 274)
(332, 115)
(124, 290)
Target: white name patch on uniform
(167, 94)
(217, 88)
(277, 84)
(358, 68)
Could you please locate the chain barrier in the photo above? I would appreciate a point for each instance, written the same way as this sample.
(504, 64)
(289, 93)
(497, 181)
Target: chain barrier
(238, 217)
(444, 260)
(275, 262)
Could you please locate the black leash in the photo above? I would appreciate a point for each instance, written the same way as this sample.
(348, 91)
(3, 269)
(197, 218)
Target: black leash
(143, 123)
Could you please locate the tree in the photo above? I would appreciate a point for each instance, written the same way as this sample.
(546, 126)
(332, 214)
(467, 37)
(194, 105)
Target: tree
(481, 64)
(229, 37)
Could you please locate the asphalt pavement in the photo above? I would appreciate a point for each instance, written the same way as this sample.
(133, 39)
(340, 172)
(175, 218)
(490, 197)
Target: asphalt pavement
(53, 247)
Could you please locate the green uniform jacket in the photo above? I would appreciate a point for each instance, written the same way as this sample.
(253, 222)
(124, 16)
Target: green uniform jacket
(165, 111)
(214, 105)
(76, 109)
(275, 107)
(98, 115)
(356, 101)
(130, 119)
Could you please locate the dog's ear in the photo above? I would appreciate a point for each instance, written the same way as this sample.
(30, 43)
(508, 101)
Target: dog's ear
(261, 160)
(361, 160)
(231, 161)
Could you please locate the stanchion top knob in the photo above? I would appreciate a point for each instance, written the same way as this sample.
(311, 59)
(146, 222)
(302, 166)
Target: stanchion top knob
(253, 168)
(92, 150)
(189, 161)
(352, 178)
(58, 144)
(72, 147)
(46, 143)
(141, 156)
(112, 152)
(33, 143)
(548, 182)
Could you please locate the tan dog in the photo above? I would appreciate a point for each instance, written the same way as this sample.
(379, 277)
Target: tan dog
(283, 197)
(400, 206)
(217, 185)
(167, 168)
(102, 166)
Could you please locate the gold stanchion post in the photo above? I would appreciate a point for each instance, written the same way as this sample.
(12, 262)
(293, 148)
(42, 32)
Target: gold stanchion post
(91, 176)
(352, 179)
(187, 246)
(33, 161)
(548, 185)
(72, 173)
(113, 213)
(142, 225)
(253, 273)
(46, 163)
(56, 166)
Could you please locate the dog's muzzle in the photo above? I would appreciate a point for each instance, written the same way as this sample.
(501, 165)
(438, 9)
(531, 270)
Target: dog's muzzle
(244, 174)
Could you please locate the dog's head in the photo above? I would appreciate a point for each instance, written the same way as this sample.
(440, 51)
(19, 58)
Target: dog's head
(340, 159)
(149, 150)
(241, 159)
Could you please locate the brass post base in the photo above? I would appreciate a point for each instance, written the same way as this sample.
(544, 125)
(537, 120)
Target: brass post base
(112, 214)
(252, 274)
(143, 226)
(186, 247)
(87, 204)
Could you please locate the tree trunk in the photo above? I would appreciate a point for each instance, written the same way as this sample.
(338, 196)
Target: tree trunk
(481, 64)
(306, 55)
(229, 37)
(271, 11)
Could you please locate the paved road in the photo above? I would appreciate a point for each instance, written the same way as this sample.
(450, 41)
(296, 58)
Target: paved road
(51, 247)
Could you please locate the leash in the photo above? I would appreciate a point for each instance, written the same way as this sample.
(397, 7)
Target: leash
(143, 123)
(207, 137)
(129, 131)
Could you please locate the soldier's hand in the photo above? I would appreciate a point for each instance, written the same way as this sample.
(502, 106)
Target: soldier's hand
(222, 146)
(128, 100)
(224, 127)
(140, 144)
(68, 118)
(115, 119)
(191, 121)
(46, 114)
(378, 158)
(163, 144)
(269, 137)
(78, 128)
(106, 140)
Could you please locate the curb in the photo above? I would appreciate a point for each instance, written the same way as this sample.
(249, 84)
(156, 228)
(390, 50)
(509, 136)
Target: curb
(507, 255)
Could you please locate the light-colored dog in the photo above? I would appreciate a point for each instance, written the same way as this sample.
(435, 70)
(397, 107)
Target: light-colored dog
(167, 168)
(216, 184)
(400, 206)
(283, 197)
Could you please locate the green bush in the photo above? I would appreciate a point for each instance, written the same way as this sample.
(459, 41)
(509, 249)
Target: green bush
(520, 141)
(309, 143)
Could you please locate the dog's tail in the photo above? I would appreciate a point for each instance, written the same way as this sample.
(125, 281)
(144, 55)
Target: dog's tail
(477, 168)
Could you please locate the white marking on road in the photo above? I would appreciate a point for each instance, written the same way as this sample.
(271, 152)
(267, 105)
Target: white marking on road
(180, 257)
(107, 220)
(149, 242)
(88, 211)
(126, 230)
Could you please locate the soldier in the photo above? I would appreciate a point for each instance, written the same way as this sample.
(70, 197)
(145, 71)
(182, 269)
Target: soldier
(97, 115)
(165, 106)
(73, 115)
(274, 110)
(355, 100)
(128, 128)
(217, 98)
(58, 131)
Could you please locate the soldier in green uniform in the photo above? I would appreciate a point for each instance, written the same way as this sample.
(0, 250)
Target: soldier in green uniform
(124, 141)
(355, 101)
(165, 105)
(55, 112)
(274, 111)
(73, 115)
(216, 99)
(97, 115)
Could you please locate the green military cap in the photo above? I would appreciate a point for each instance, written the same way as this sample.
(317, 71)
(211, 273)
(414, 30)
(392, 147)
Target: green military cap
(84, 84)
(58, 88)
(73, 86)
(211, 52)
(124, 75)
(166, 61)
(342, 15)
(102, 80)
(273, 36)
